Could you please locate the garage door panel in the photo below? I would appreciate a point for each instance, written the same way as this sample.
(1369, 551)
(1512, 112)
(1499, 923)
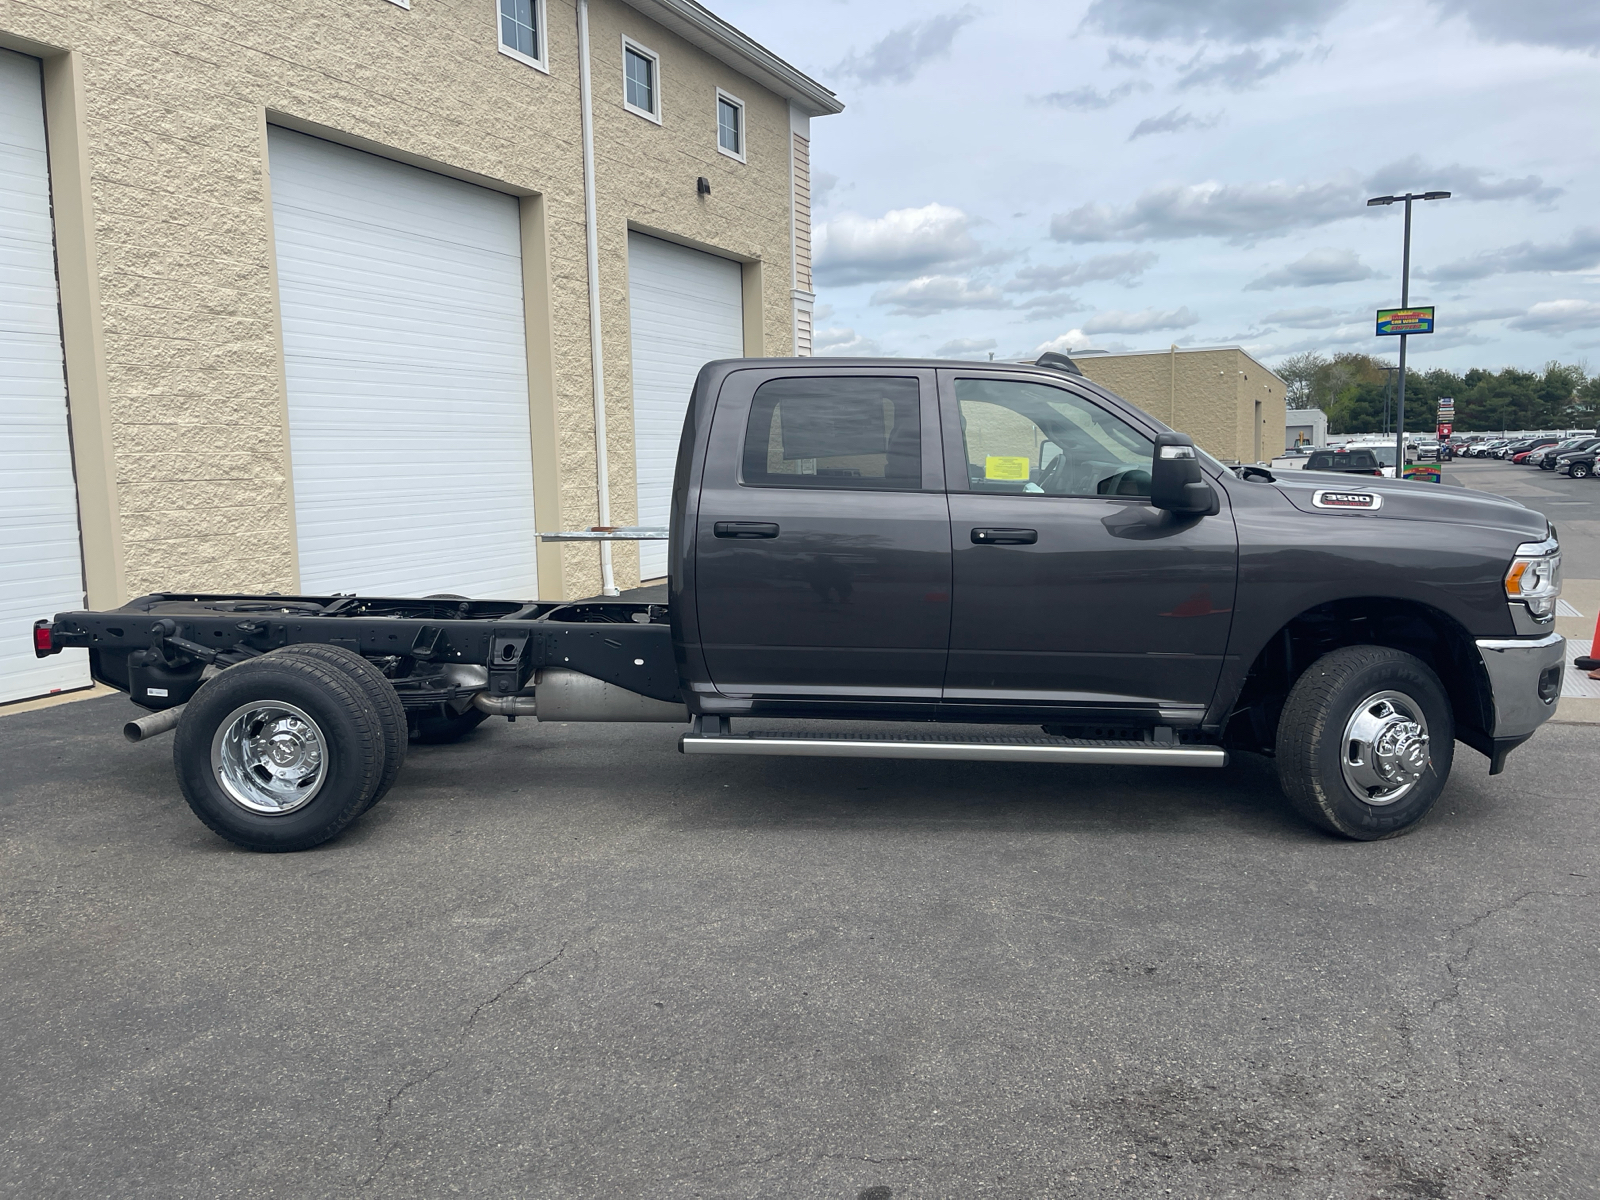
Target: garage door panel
(41, 564)
(403, 331)
(686, 308)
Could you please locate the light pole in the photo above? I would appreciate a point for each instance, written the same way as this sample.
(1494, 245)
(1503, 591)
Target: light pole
(1405, 301)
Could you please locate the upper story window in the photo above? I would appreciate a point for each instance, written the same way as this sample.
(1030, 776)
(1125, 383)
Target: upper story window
(730, 125)
(522, 36)
(641, 80)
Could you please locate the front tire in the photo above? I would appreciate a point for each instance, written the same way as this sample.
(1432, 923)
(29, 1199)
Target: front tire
(1365, 742)
(1579, 470)
(280, 753)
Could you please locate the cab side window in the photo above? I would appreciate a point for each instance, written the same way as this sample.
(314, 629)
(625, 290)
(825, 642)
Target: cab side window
(1029, 438)
(834, 432)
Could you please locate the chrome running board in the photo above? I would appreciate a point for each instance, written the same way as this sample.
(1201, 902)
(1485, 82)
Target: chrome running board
(998, 749)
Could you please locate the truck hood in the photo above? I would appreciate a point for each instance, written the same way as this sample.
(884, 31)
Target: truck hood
(1405, 500)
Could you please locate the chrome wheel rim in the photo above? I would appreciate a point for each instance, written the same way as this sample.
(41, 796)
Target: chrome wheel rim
(269, 757)
(1385, 747)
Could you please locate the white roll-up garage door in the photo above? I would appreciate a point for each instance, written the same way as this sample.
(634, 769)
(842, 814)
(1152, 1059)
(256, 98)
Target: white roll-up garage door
(404, 345)
(686, 308)
(41, 561)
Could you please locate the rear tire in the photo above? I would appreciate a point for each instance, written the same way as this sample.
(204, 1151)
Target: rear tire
(1365, 742)
(280, 753)
(391, 713)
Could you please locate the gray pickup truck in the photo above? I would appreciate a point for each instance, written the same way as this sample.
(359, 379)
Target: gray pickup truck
(937, 544)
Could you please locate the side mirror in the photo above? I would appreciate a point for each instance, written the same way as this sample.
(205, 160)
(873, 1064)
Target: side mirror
(1176, 483)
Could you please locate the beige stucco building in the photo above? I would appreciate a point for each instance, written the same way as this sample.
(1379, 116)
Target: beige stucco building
(1227, 401)
(323, 273)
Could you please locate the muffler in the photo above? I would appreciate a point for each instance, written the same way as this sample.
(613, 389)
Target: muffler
(140, 728)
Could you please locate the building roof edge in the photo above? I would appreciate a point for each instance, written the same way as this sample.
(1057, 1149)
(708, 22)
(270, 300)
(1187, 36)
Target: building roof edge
(699, 25)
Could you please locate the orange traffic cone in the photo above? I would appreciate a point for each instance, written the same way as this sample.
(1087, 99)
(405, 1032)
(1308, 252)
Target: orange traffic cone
(1591, 661)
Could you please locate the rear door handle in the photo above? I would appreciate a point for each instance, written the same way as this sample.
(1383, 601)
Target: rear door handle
(1004, 537)
(745, 529)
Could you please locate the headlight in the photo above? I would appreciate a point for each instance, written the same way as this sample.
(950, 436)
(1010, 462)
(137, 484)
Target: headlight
(1535, 576)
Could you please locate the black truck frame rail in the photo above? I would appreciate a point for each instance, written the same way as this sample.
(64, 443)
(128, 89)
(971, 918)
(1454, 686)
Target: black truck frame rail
(158, 647)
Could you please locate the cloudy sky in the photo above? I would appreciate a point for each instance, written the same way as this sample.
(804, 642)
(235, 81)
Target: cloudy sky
(1012, 176)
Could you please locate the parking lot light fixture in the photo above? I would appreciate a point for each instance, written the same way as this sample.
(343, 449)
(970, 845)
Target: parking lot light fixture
(1405, 301)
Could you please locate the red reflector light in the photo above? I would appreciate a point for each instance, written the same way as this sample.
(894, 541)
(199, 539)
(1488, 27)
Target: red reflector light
(42, 641)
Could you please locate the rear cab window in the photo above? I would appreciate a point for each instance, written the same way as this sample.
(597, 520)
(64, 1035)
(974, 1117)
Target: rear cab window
(834, 432)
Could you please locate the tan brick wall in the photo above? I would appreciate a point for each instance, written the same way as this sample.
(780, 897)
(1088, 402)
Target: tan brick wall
(177, 93)
(1208, 394)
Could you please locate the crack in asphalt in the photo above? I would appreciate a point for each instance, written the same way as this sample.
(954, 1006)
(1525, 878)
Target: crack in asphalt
(1453, 966)
(460, 1037)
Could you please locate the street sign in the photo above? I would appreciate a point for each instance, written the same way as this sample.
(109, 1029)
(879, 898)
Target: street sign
(1444, 432)
(1424, 472)
(1393, 321)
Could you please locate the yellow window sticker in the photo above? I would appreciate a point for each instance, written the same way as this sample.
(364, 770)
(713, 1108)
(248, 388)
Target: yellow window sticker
(1005, 466)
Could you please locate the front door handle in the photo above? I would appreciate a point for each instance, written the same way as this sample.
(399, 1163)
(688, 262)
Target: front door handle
(1004, 537)
(745, 530)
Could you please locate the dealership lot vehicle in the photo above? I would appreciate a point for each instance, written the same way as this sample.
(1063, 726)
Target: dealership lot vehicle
(1350, 462)
(1547, 458)
(1579, 466)
(876, 540)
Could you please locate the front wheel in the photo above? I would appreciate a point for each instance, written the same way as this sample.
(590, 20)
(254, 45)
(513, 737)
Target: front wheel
(1580, 470)
(1365, 743)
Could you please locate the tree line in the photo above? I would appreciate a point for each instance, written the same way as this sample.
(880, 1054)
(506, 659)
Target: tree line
(1356, 390)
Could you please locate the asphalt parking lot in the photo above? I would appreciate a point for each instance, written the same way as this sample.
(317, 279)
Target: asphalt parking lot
(566, 961)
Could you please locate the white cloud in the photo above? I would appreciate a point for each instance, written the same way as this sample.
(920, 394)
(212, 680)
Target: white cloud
(822, 185)
(1074, 340)
(841, 341)
(1241, 212)
(1173, 121)
(900, 54)
(1301, 318)
(1236, 72)
(1087, 99)
(1124, 267)
(1147, 320)
(1318, 268)
(965, 348)
(1559, 316)
(1565, 24)
(1051, 304)
(1580, 252)
(1412, 174)
(901, 244)
(930, 294)
(1220, 20)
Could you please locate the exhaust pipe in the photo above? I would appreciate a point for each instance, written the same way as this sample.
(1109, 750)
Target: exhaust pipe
(504, 706)
(141, 728)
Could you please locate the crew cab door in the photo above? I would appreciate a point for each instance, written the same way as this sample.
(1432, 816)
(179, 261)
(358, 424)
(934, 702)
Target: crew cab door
(822, 545)
(1071, 591)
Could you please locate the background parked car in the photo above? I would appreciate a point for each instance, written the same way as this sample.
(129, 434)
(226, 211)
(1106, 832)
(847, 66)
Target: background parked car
(1579, 466)
(1546, 459)
(1533, 446)
(1359, 461)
